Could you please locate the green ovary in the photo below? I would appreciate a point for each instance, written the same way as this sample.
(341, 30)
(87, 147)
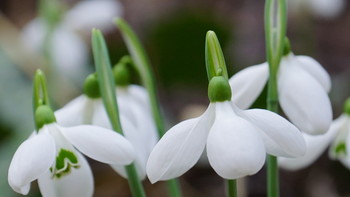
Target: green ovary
(65, 161)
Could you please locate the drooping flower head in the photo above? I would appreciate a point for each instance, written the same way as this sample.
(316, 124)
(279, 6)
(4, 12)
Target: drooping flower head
(303, 85)
(236, 140)
(51, 155)
(134, 109)
(337, 137)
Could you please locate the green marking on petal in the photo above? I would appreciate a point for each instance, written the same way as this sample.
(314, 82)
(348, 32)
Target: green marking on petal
(65, 160)
(340, 149)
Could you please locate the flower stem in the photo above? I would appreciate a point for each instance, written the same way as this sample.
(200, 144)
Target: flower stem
(143, 67)
(275, 33)
(40, 94)
(231, 188)
(107, 88)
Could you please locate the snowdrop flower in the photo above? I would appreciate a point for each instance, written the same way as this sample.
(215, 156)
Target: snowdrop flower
(65, 42)
(338, 136)
(302, 87)
(50, 155)
(327, 9)
(236, 140)
(135, 115)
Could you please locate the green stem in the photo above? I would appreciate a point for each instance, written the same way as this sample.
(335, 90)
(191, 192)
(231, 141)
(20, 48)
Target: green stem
(108, 93)
(231, 188)
(143, 67)
(40, 94)
(275, 33)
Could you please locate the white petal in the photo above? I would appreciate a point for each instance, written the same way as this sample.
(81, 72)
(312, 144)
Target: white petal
(33, 34)
(247, 84)
(142, 152)
(281, 137)
(73, 113)
(93, 14)
(139, 93)
(234, 147)
(316, 145)
(69, 53)
(101, 144)
(180, 148)
(340, 146)
(79, 182)
(303, 99)
(327, 9)
(32, 158)
(316, 70)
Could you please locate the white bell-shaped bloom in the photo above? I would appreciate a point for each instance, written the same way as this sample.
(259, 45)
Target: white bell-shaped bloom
(302, 89)
(338, 137)
(69, 52)
(135, 115)
(327, 9)
(236, 142)
(51, 156)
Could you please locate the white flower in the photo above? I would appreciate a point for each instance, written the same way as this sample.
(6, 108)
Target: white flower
(338, 135)
(236, 142)
(51, 157)
(327, 9)
(136, 120)
(302, 89)
(69, 51)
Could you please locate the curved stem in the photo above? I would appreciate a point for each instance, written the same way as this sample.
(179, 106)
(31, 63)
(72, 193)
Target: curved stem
(108, 93)
(143, 67)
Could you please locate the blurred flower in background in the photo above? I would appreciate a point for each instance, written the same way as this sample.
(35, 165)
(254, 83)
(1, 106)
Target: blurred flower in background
(67, 49)
(325, 9)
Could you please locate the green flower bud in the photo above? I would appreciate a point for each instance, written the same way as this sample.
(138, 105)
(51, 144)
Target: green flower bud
(121, 74)
(91, 88)
(219, 89)
(347, 107)
(44, 115)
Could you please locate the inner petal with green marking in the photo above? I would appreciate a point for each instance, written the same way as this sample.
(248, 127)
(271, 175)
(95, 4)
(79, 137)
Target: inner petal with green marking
(65, 161)
(340, 149)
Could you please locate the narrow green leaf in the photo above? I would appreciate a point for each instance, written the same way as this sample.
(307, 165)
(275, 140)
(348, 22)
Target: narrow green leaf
(108, 93)
(105, 78)
(143, 67)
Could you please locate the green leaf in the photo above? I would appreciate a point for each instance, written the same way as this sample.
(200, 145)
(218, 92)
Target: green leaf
(105, 78)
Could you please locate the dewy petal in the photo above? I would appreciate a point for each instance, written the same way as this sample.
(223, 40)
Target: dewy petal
(303, 99)
(101, 144)
(316, 145)
(234, 147)
(316, 70)
(180, 148)
(247, 84)
(79, 182)
(93, 14)
(32, 158)
(281, 138)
